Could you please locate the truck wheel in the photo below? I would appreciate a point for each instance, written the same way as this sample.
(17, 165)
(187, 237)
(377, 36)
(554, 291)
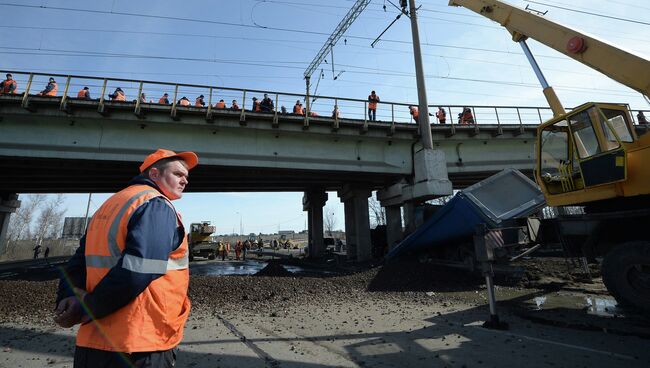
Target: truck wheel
(212, 256)
(626, 274)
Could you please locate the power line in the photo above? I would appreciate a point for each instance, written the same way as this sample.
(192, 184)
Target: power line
(590, 13)
(266, 27)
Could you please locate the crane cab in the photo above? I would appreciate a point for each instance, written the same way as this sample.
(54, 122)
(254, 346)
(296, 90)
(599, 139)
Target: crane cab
(585, 154)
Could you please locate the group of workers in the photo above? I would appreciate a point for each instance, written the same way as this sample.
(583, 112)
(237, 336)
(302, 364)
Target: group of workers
(241, 248)
(466, 117)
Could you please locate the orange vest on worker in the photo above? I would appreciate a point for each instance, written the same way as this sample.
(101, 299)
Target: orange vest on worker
(7, 83)
(184, 102)
(297, 109)
(415, 112)
(119, 96)
(82, 94)
(256, 106)
(372, 102)
(221, 105)
(55, 89)
(155, 319)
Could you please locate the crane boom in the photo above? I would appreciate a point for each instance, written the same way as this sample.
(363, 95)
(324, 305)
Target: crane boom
(622, 66)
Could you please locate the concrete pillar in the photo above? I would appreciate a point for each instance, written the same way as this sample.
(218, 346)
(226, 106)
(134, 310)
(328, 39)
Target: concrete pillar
(350, 230)
(313, 202)
(8, 204)
(358, 218)
(409, 218)
(393, 226)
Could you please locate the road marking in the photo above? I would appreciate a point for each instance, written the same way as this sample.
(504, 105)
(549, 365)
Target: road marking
(551, 342)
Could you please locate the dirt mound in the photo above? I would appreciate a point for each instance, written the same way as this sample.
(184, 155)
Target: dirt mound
(274, 269)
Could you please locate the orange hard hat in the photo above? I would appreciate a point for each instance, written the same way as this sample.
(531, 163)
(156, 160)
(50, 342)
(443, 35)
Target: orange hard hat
(190, 158)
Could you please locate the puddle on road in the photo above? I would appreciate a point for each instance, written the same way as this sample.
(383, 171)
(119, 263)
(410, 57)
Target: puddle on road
(594, 305)
(243, 268)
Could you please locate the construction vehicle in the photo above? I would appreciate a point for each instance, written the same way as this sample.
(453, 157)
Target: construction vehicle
(200, 242)
(591, 156)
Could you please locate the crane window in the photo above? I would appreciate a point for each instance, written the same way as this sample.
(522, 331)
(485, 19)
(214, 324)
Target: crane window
(555, 140)
(584, 136)
(618, 121)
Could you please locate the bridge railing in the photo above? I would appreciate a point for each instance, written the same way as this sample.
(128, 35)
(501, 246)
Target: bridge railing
(321, 107)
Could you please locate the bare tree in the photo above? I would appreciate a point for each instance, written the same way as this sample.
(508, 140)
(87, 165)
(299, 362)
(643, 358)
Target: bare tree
(50, 220)
(329, 220)
(21, 220)
(377, 212)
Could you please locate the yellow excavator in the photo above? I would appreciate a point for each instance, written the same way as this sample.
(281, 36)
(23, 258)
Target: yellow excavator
(592, 155)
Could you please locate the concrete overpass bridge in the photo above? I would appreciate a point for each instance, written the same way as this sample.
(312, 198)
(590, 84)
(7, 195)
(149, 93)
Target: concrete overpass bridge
(62, 144)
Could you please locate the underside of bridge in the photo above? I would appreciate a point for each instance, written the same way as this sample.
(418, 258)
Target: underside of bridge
(43, 175)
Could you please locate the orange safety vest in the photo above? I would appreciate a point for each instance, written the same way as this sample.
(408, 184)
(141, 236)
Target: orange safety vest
(221, 105)
(155, 319)
(415, 112)
(163, 100)
(297, 109)
(256, 106)
(184, 102)
(197, 103)
(7, 83)
(372, 102)
(82, 93)
(119, 96)
(53, 91)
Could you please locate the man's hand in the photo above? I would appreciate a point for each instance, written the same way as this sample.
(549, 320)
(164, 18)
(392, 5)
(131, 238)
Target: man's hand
(69, 311)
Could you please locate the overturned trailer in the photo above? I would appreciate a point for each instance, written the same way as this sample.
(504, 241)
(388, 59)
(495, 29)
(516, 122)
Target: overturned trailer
(504, 201)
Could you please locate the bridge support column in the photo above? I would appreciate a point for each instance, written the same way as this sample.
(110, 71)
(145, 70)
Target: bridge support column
(357, 222)
(8, 204)
(313, 202)
(393, 226)
(391, 199)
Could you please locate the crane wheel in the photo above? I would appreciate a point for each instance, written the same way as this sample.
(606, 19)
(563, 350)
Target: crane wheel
(626, 274)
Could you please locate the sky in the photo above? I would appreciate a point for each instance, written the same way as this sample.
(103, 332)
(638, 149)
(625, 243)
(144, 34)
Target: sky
(267, 45)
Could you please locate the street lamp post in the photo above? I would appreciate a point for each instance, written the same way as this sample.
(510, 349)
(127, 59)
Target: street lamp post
(241, 224)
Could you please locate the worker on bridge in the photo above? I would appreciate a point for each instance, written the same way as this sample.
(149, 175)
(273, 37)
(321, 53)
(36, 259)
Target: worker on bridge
(221, 105)
(373, 100)
(441, 115)
(9, 85)
(184, 101)
(256, 105)
(199, 102)
(164, 100)
(84, 94)
(143, 98)
(466, 116)
(127, 282)
(640, 117)
(118, 95)
(297, 108)
(267, 104)
(234, 105)
(51, 89)
(335, 112)
(415, 113)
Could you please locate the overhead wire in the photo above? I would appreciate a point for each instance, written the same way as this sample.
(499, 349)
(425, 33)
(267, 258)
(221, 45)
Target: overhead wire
(590, 13)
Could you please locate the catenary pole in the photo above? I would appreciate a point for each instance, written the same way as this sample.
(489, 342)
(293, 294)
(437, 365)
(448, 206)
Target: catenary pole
(423, 119)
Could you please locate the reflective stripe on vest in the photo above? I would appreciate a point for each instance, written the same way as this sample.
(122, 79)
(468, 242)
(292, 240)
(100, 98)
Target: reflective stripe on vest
(155, 319)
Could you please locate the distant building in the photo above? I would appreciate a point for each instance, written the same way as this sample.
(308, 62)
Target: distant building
(286, 232)
(73, 227)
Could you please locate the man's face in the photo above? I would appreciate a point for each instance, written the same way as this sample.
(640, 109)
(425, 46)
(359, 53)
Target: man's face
(172, 180)
(9, 77)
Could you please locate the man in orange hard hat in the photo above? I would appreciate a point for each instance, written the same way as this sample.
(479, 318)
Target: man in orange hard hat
(127, 283)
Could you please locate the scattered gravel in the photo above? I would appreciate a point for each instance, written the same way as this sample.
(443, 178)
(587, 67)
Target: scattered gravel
(275, 289)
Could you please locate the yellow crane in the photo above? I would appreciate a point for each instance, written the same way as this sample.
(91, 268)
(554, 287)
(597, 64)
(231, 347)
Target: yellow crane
(591, 156)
